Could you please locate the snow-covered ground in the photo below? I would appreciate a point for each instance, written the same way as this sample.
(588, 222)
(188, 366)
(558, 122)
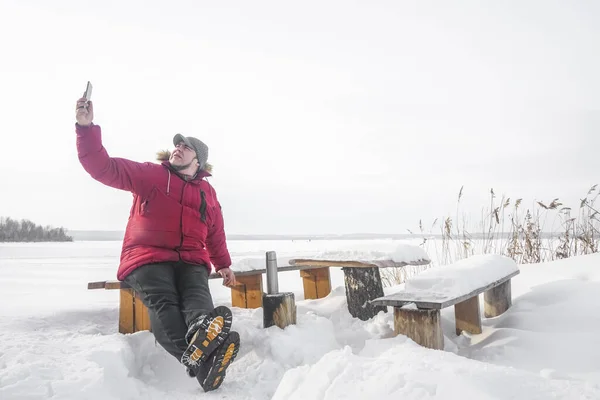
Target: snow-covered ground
(58, 340)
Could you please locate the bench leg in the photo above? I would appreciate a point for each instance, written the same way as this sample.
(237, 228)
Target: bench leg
(133, 314)
(467, 316)
(497, 300)
(422, 326)
(362, 286)
(317, 282)
(126, 311)
(248, 292)
(141, 317)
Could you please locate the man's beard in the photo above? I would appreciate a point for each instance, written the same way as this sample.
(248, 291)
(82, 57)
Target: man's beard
(181, 167)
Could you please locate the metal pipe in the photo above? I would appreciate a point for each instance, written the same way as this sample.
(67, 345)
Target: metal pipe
(272, 282)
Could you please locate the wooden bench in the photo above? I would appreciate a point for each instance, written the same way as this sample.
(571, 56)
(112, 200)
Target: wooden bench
(417, 307)
(246, 293)
(363, 283)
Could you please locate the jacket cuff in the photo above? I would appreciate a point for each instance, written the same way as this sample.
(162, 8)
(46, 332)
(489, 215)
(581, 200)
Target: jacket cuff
(82, 130)
(217, 269)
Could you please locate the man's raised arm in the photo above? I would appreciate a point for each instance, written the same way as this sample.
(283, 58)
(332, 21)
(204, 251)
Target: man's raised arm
(118, 173)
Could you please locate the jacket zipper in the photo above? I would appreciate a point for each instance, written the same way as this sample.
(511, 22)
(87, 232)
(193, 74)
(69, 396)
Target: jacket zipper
(203, 206)
(181, 221)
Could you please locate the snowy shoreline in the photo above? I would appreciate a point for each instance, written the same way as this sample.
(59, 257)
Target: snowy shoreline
(58, 340)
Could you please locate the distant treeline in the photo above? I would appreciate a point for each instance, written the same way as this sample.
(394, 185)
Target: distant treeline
(24, 230)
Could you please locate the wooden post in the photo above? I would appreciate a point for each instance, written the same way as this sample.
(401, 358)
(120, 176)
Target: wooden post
(363, 285)
(126, 311)
(141, 317)
(467, 316)
(317, 282)
(422, 326)
(279, 309)
(497, 300)
(248, 292)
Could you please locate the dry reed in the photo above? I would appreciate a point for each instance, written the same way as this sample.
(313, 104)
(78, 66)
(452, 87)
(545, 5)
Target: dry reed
(507, 228)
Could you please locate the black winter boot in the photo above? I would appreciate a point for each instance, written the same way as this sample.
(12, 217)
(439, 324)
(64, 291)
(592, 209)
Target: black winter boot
(212, 372)
(204, 335)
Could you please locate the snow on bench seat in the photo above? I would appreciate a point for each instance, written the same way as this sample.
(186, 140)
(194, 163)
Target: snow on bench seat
(404, 254)
(446, 285)
(465, 275)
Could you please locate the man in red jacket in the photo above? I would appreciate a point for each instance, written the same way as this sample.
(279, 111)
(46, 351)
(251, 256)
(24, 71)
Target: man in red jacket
(174, 234)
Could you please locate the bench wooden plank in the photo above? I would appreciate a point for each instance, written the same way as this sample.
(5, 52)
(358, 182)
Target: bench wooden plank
(306, 262)
(432, 300)
(115, 284)
(284, 268)
(96, 285)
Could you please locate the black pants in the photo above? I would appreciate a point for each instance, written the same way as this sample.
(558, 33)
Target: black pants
(175, 295)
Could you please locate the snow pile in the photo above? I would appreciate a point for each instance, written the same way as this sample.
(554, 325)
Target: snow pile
(400, 369)
(463, 276)
(59, 340)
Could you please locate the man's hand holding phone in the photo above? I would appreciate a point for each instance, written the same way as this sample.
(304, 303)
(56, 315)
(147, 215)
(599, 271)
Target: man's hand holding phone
(85, 108)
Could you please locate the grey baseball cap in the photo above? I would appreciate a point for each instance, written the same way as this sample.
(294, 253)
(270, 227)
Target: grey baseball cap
(196, 144)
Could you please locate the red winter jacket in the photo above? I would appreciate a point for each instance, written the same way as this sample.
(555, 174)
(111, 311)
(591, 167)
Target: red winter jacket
(170, 220)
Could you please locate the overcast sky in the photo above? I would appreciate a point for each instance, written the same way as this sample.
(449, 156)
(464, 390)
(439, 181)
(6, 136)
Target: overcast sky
(320, 116)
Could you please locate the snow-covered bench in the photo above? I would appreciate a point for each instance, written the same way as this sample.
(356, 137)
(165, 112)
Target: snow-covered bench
(417, 307)
(361, 270)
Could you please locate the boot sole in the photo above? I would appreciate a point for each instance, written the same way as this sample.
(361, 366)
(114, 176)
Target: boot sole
(224, 356)
(210, 335)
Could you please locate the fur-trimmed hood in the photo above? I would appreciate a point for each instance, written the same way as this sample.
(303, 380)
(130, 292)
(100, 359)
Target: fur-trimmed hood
(165, 155)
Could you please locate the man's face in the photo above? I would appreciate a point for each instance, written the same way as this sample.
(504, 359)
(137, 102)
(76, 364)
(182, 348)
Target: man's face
(182, 156)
